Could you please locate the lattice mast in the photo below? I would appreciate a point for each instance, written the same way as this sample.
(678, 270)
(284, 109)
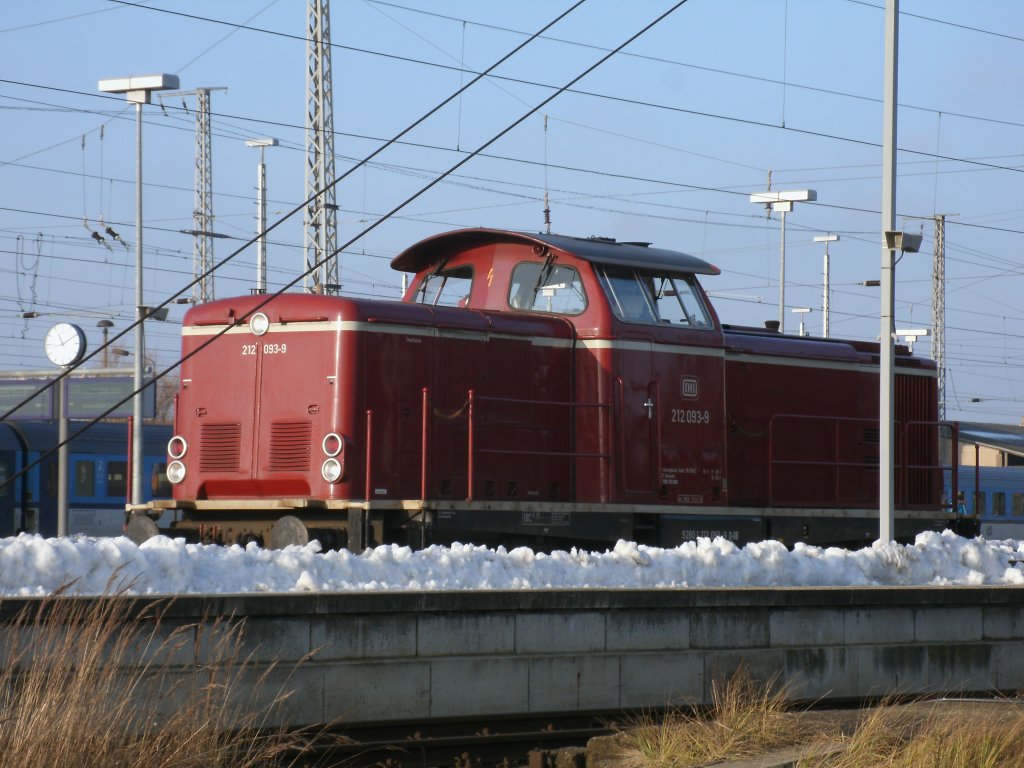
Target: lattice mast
(202, 213)
(939, 310)
(202, 247)
(321, 228)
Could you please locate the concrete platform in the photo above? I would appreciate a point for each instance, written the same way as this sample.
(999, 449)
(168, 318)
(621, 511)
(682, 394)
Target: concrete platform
(380, 657)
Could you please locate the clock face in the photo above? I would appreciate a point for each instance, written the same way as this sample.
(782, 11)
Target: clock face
(65, 344)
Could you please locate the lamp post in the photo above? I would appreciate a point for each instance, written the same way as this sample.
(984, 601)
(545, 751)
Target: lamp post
(801, 311)
(261, 213)
(826, 239)
(782, 202)
(910, 335)
(138, 90)
(105, 325)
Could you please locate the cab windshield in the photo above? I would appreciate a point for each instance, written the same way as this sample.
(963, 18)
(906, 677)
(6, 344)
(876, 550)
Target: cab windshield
(639, 296)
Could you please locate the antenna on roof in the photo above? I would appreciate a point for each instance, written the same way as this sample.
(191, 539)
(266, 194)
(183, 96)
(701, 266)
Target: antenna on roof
(547, 208)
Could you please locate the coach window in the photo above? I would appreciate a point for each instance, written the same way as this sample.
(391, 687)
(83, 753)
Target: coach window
(1018, 505)
(446, 287)
(158, 481)
(50, 483)
(999, 503)
(117, 478)
(5, 471)
(547, 287)
(85, 478)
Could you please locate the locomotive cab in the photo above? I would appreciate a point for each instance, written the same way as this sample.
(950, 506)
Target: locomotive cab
(647, 358)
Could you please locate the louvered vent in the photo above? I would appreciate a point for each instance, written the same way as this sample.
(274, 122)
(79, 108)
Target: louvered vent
(290, 448)
(220, 447)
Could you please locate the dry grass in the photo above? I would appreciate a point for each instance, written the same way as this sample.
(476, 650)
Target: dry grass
(746, 718)
(87, 683)
(900, 737)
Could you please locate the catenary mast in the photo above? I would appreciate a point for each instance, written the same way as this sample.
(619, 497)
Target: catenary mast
(321, 228)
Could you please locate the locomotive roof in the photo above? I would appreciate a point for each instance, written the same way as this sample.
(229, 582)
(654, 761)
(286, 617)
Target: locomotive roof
(597, 250)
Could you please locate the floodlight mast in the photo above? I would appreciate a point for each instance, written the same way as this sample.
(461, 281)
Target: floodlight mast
(138, 90)
(887, 362)
(782, 202)
(826, 239)
(261, 213)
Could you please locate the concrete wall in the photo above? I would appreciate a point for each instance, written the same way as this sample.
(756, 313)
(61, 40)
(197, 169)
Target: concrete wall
(415, 656)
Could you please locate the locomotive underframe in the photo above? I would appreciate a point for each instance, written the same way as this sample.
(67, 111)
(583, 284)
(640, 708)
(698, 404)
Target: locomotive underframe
(356, 524)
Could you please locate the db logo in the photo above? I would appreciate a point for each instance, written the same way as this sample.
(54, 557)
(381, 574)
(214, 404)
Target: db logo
(689, 387)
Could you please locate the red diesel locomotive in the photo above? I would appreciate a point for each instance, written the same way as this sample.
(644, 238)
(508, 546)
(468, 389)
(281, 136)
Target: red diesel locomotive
(535, 389)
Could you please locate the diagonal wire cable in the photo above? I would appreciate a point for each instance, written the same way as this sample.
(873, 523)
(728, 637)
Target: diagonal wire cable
(300, 207)
(365, 231)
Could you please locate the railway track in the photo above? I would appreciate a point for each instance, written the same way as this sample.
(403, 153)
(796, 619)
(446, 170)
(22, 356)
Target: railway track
(507, 742)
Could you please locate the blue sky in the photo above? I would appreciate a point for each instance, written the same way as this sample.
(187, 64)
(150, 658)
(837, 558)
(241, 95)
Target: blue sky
(663, 143)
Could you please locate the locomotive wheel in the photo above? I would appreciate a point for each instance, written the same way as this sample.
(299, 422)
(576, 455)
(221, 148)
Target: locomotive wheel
(287, 531)
(140, 528)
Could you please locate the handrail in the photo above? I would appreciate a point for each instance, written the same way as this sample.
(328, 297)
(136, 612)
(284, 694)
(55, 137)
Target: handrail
(472, 398)
(424, 444)
(833, 422)
(369, 454)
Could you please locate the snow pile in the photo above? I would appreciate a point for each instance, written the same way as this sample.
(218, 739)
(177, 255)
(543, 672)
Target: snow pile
(31, 565)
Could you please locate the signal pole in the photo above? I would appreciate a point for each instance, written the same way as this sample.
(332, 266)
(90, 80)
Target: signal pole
(321, 218)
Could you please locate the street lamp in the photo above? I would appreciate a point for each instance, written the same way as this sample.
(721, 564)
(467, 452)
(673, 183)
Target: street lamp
(826, 239)
(910, 335)
(105, 325)
(782, 202)
(801, 311)
(261, 213)
(138, 90)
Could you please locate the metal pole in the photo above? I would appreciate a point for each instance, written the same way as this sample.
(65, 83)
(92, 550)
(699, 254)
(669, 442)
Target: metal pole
(887, 379)
(782, 276)
(261, 226)
(139, 337)
(62, 461)
(824, 297)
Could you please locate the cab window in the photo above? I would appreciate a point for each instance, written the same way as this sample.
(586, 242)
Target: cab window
(547, 287)
(446, 288)
(638, 296)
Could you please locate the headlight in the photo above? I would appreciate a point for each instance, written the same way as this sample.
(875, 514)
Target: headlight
(177, 447)
(175, 472)
(259, 324)
(333, 444)
(331, 470)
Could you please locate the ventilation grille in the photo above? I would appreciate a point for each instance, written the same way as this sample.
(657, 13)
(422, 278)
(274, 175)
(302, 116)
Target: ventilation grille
(220, 447)
(290, 446)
